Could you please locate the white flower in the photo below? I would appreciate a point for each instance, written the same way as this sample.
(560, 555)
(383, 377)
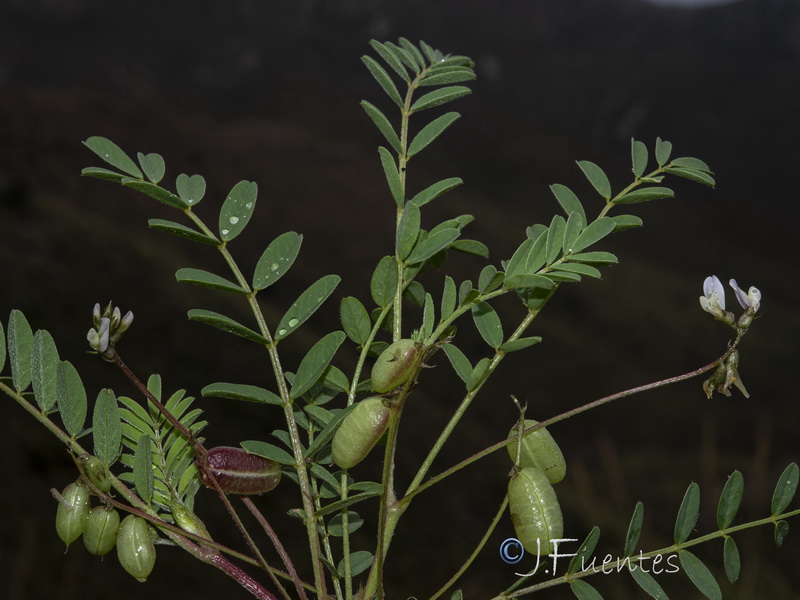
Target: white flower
(752, 299)
(713, 300)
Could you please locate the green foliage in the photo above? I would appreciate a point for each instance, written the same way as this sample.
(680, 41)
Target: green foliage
(160, 459)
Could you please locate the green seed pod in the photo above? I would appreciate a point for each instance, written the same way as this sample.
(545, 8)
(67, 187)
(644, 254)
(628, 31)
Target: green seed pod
(239, 472)
(360, 431)
(72, 512)
(188, 521)
(394, 365)
(135, 549)
(535, 511)
(102, 526)
(539, 450)
(97, 472)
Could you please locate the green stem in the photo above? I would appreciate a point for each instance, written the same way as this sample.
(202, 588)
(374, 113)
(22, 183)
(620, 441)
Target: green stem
(297, 447)
(563, 416)
(475, 552)
(208, 554)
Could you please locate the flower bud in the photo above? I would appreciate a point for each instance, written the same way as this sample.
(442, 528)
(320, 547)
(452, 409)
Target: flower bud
(535, 512)
(539, 450)
(73, 509)
(239, 472)
(394, 365)
(135, 549)
(360, 431)
(102, 526)
(97, 472)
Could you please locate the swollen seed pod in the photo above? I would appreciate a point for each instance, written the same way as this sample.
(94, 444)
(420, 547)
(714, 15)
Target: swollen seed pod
(102, 526)
(360, 431)
(539, 450)
(535, 512)
(73, 509)
(394, 365)
(239, 472)
(135, 549)
(97, 472)
(188, 521)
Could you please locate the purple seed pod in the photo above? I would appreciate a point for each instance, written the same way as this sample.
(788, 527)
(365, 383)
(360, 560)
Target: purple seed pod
(239, 472)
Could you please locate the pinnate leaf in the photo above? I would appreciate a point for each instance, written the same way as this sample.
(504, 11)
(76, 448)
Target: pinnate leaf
(785, 489)
(634, 529)
(431, 131)
(182, 231)
(638, 157)
(20, 348)
(383, 79)
(355, 320)
(315, 362)
(730, 500)
(155, 192)
(191, 188)
(488, 324)
(687, 514)
(277, 259)
(306, 305)
(384, 281)
(269, 451)
(71, 398)
(596, 177)
(647, 583)
(663, 151)
(594, 232)
(435, 190)
(225, 324)
(237, 209)
(44, 369)
(113, 155)
(107, 427)
(731, 560)
(644, 195)
(701, 577)
(440, 96)
(392, 175)
(209, 280)
(584, 591)
(152, 165)
(240, 391)
(383, 125)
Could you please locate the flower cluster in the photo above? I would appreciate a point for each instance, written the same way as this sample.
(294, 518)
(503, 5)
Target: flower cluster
(108, 329)
(713, 301)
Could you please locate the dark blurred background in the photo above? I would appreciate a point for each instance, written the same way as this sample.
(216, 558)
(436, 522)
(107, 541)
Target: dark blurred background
(269, 92)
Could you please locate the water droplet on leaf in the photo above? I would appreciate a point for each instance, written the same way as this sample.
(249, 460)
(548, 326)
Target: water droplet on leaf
(224, 232)
(234, 220)
(293, 322)
(281, 332)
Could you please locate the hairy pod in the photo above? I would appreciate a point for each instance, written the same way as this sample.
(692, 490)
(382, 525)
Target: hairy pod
(73, 510)
(360, 431)
(102, 526)
(539, 450)
(97, 472)
(535, 512)
(239, 472)
(394, 365)
(135, 549)
(188, 521)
